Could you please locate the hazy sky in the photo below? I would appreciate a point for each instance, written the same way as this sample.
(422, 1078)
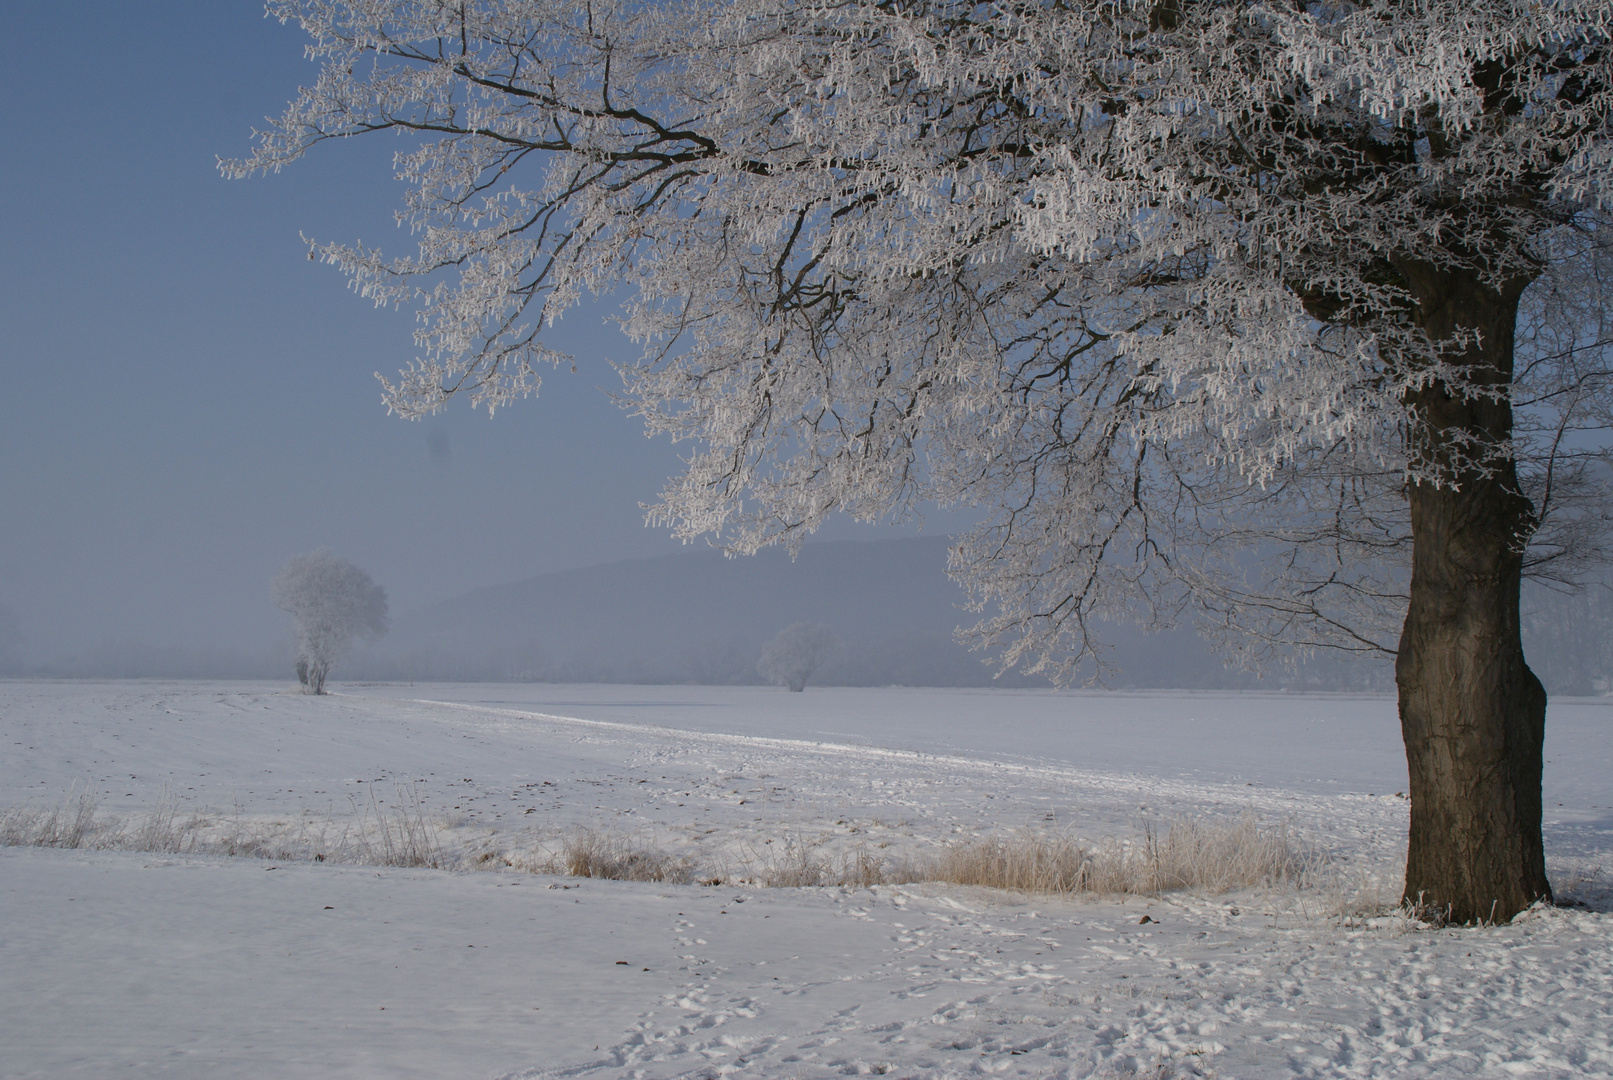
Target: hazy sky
(189, 400)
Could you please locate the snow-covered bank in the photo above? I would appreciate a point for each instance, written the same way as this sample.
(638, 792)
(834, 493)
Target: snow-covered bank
(122, 964)
(211, 967)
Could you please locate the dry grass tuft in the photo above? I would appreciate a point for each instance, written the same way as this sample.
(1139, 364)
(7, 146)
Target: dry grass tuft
(1024, 862)
(70, 825)
(590, 854)
(1216, 859)
(795, 864)
(1189, 855)
(401, 836)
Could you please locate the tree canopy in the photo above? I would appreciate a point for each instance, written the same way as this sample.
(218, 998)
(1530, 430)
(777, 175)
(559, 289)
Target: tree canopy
(1137, 277)
(1262, 311)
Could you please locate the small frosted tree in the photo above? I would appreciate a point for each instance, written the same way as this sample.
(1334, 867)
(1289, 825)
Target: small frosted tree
(798, 651)
(331, 602)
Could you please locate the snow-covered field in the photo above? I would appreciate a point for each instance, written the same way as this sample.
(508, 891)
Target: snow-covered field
(206, 966)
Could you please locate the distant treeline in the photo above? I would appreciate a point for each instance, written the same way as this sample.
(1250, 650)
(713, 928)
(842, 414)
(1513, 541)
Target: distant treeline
(700, 618)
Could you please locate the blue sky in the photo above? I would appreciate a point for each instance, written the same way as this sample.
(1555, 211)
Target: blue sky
(189, 400)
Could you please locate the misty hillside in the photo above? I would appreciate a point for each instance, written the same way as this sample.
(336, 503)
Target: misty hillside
(697, 617)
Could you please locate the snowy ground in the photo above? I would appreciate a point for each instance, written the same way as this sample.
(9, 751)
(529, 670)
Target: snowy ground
(164, 965)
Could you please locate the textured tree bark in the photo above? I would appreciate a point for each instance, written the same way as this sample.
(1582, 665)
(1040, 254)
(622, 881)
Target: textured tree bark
(1471, 712)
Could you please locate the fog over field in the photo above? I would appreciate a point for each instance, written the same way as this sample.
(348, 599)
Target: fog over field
(700, 617)
(696, 616)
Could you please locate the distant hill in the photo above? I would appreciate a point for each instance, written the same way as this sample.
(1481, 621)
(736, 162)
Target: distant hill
(698, 617)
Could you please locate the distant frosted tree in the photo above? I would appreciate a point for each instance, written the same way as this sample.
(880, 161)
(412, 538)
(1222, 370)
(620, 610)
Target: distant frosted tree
(798, 651)
(330, 602)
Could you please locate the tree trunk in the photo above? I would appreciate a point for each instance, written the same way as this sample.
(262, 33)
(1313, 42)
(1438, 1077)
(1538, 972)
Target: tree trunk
(316, 676)
(1472, 713)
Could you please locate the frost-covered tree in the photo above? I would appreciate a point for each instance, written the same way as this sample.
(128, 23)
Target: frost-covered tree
(1284, 316)
(795, 653)
(331, 602)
